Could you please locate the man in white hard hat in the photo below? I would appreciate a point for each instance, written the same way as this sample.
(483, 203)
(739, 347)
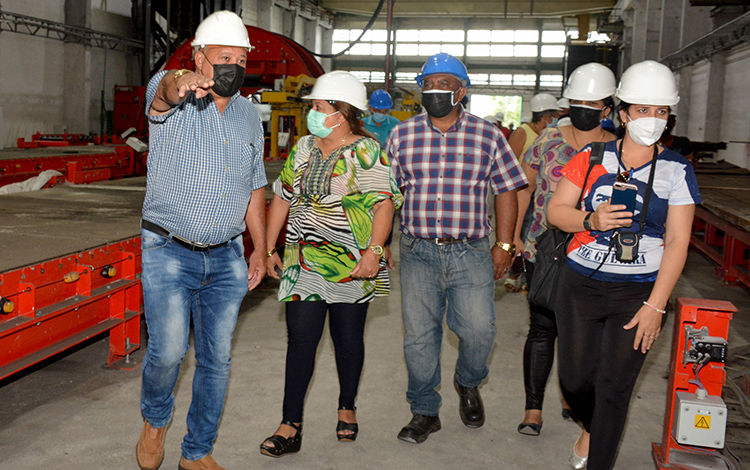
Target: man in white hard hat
(206, 183)
(543, 109)
(500, 118)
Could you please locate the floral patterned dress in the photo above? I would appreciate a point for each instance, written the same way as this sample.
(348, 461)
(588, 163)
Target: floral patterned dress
(330, 219)
(549, 154)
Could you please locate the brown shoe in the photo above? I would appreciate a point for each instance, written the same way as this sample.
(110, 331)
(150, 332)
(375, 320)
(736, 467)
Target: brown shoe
(206, 463)
(150, 448)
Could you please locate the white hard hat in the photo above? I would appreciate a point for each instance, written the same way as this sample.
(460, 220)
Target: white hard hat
(491, 118)
(340, 86)
(500, 116)
(590, 82)
(563, 103)
(650, 83)
(222, 28)
(544, 102)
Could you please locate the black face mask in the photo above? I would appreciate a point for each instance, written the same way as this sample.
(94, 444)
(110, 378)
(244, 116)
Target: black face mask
(585, 119)
(228, 79)
(439, 104)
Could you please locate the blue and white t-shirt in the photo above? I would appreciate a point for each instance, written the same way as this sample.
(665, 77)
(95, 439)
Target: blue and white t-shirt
(674, 185)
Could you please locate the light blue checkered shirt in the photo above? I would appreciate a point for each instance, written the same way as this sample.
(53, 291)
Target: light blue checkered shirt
(202, 167)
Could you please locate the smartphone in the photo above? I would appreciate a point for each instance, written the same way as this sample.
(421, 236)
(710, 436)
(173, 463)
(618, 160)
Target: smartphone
(624, 193)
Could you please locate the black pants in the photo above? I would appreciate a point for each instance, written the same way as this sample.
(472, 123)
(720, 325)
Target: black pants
(539, 351)
(598, 366)
(304, 323)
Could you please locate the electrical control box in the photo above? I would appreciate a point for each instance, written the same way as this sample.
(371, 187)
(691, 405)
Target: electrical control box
(699, 421)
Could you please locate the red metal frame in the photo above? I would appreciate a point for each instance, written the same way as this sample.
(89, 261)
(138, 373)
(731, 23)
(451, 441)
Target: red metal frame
(65, 301)
(120, 162)
(727, 244)
(40, 140)
(697, 313)
(273, 57)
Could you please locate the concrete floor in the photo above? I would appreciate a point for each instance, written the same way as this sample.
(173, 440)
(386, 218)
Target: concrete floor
(75, 413)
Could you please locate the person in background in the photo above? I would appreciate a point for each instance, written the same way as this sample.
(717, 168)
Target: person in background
(562, 115)
(338, 192)
(681, 145)
(200, 196)
(492, 119)
(590, 90)
(544, 110)
(500, 117)
(448, 263)
(611, 305)
(379, 123)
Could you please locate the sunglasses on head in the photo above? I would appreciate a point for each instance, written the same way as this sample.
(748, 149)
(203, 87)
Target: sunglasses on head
(624, 177)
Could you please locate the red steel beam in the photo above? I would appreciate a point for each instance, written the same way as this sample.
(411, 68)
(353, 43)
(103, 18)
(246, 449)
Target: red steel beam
(62, 302)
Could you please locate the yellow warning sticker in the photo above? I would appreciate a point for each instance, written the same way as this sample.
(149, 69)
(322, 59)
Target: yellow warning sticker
(702, 422)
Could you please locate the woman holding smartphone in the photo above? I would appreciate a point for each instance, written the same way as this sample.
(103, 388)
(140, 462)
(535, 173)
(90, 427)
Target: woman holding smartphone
(621, 267)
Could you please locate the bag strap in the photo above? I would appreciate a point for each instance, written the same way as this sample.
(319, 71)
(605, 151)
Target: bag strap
(649, 189)
(595, 158)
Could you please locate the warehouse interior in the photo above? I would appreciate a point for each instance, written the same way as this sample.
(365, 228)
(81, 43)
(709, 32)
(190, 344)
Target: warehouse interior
(73, 151)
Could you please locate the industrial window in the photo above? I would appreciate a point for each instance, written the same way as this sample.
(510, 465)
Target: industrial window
(427, 42)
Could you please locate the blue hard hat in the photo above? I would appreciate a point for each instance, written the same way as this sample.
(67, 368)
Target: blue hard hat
(444, 63)
(380, 99)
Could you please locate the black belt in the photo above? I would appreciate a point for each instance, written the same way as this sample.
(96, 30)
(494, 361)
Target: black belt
(161, 231)
(448, 240)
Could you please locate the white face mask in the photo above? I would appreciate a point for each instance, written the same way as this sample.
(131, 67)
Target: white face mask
(646, 130)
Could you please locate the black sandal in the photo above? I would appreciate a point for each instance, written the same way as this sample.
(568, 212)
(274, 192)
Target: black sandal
(344, 426)
(283, 445)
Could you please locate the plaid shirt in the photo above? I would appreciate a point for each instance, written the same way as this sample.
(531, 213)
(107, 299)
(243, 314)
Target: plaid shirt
(445, 177)
(202, 166)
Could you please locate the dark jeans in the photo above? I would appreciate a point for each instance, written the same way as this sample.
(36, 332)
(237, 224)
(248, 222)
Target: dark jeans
(304, 323)
(598, 366)
(539, 351)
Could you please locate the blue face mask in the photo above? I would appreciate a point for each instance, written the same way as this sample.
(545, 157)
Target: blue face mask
(379, 118)
(553, 123)
(316, 124)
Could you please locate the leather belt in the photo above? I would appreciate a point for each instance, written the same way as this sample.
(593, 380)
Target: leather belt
(448, 240)
(161, 231)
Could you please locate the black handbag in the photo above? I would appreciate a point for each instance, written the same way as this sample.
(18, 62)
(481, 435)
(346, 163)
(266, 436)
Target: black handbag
(551, 250)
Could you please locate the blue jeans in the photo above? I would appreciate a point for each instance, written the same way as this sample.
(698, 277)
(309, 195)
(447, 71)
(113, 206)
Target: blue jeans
(435, 279)
(176, 282)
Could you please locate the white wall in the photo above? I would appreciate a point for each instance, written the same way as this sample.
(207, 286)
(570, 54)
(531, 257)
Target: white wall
(698, 96)
(38, 92)
(735, 120)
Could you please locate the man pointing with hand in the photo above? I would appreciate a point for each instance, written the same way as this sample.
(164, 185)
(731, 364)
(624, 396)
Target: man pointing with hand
(205, 184)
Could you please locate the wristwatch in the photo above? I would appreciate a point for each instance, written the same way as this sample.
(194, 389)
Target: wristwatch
(587, 222)
(509, 247)
(377, 249)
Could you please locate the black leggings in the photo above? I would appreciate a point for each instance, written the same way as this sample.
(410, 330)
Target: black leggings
(539, 351)
(304, 323)
(598, 366)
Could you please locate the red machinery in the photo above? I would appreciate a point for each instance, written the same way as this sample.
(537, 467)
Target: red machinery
(51, 306)
(273, 57)
(695, 415)
(81, 164)
(725, 243)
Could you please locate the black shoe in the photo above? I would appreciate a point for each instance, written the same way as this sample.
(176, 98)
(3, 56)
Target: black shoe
(353, 428)
(470, 407)
(419, 428)
(283, 445)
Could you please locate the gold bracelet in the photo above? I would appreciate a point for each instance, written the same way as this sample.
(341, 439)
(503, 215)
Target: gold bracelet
(270, 253)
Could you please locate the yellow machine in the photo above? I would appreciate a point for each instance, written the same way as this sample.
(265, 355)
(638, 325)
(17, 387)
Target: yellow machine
(409, 106)
(287, 111)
